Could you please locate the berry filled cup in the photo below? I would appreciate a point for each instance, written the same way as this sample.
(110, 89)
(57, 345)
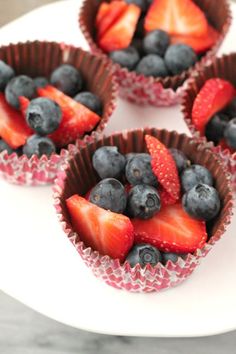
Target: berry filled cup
(143, 207)
(154, 45)
(51, 94)
(209, 108)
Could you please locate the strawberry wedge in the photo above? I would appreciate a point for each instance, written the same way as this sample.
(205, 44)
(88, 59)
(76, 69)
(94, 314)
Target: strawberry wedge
(76, 118)
(106, 232)
(171, 230)
(13, 127)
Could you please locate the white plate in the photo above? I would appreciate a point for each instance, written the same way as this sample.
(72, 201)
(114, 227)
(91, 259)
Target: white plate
(39, 267)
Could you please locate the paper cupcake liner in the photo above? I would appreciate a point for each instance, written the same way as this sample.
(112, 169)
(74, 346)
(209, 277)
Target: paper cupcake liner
(79, 176)
(144, 90)
(40, 59)
(225, 68)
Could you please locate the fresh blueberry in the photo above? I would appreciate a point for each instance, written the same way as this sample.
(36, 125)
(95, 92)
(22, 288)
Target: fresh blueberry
(127, 58)
(143, 202)
(230, 133)
(202, 202)
(109, 194)
(108, 162)
(179, 57)
(140, 3)
(138, 170)
(230, 110)
(39, 145)
(21, 85)
(67, 79)
(6, 74)
(156, 42)
(41, 81)
(194, 175)
(215, 127)
(152, 65)
(181, 160)
(5, 146)
(90, 100)
(173, 257)
(43, 115)
(130, 155)
(143, 254)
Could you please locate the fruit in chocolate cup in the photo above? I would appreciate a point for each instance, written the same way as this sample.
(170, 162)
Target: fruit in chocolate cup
(202, 202)
(6, 74)
(156, 42)
(144, 254)
(21, 85)
(90, 100)
(127, 58)
(143, 202)
(138, 170)
(39, 145)
(179, 57)
(43, 115)
(152, 65)
(108, 162)
(67, 79)
(109, 194)
(194, 175)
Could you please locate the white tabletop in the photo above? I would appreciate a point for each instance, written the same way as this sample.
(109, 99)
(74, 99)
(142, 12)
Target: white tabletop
(39, 267)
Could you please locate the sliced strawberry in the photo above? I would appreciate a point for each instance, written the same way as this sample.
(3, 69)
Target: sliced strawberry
(176, 17)
(106, 232)
(166, 198)
(24, 103)
(76, 118)
(200, 44)
(115, 10)
(13, 127)
(164, 167)
(120, 34)
(213, 97)
(102, 12)
(171, 230)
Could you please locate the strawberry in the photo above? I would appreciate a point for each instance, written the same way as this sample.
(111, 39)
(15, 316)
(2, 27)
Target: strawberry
(106, 232)
(225, 146)
(102, 12)
(200, 44)
(115, 10)
(166, 198)
(171, 230)
(120, 34)
(76, 118)
(176, 17)
(24, 103)
(164, 167)
(212, 98)
(13, 127)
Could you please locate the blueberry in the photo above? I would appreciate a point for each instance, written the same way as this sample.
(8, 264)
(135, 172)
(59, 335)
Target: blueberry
(108, 162)
(156, 42)
(230, 110)
(19, 86)
(90, 100)
(43, 115)
(194, 175)
(173, 257)
(215, 127)
(143, 202)
(67, 79)
(127, 58)
(182, 162)
(130, 155)
(230, 133)
(109, 194)
(6, 74)
(5, 146)
(152, 65)
(138, 170)
(41, 81)
(38, 145)
(140, 3)
(202, 202)
(179, 57)
(143, 254)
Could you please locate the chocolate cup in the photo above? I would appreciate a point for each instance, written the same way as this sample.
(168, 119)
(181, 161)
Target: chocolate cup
(40, 59)
(79, 176)
(149, 90)
(224, 68)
